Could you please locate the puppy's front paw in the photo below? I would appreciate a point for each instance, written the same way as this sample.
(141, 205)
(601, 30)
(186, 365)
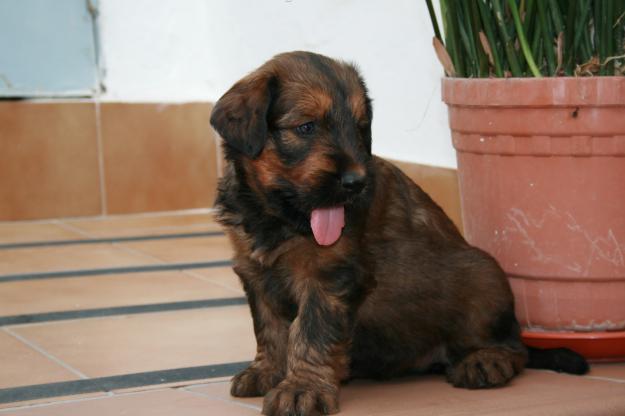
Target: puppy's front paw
(291, 397)
(254, 381)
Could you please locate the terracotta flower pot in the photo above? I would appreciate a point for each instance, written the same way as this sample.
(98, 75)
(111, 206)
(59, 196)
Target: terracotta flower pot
(541, 166)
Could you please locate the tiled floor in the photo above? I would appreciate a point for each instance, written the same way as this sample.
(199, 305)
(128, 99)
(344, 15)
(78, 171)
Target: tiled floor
(123, 331)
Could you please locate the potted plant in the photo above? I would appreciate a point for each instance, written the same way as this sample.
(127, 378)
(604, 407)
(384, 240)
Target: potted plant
(536, 97)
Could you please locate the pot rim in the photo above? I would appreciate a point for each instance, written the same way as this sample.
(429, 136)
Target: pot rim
(534, 92)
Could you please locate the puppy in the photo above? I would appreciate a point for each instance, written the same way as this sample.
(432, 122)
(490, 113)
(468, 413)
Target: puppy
(350, 269)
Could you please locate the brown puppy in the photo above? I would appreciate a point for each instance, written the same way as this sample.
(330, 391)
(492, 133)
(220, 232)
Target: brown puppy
(350, 269)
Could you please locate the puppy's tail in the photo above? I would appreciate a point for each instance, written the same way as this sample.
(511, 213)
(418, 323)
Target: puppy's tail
(561, 360)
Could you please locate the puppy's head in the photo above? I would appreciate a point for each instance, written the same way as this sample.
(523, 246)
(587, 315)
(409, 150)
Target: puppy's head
(299, 128)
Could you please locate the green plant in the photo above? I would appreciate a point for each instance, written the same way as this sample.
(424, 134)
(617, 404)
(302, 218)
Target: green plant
(530, 38)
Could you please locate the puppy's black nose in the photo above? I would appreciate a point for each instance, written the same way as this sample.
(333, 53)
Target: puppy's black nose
(353, 182)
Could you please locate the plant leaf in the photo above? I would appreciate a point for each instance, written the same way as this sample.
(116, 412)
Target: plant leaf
(559, 46)
(443, 57)
(486, 46)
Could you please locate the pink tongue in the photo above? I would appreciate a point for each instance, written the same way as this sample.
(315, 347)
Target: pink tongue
(327, 223)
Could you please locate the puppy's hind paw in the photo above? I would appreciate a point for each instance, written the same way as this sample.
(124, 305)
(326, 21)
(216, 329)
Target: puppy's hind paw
(491, 367)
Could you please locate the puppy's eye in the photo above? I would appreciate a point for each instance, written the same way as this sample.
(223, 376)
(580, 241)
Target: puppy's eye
(306, 129)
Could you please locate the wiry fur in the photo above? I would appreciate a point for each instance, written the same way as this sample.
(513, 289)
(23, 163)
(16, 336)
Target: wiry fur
(400, 291)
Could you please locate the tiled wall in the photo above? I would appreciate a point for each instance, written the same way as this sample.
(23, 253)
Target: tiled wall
(72, 159)
(440, 183)
(81, 158)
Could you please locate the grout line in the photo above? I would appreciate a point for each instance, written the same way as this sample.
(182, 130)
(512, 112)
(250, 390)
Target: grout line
(138, 252)
(208, 382)
(100, 149)
(149, 214)
(221, 399)
(37, 221)
(63, 99)
(50, 323)
(52, 402)
(614, 380)
(167, 386)
(209, 280)
(73, 228)
(176, 227)
(46, 354)
(111, 240)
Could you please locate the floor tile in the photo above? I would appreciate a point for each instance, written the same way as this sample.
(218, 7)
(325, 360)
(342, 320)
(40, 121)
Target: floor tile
(148, 342)
(125, 225)
(615, 371)
(21, 365)
(22, 232)
(223, 276)
(185, 249)
(38, 296)
(154, 403)
(154, 341)
(221, 390)
(533, 393)
(74, 257)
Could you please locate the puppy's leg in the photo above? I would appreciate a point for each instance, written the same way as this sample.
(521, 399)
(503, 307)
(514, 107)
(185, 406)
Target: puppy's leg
(269, 365)
(489, 353)
(317, 356)
(486, 348)
(487, 367)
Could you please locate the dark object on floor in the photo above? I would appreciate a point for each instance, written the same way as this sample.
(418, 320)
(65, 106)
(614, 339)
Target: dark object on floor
(561, 360)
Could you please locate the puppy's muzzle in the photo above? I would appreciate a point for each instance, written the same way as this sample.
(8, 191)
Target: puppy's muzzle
(353, 182)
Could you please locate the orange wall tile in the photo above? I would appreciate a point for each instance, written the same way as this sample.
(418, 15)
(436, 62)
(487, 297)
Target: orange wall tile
(158, 157)
(48, 160)
(440, 183)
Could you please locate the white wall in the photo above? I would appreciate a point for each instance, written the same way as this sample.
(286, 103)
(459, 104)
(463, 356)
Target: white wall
(193, 50)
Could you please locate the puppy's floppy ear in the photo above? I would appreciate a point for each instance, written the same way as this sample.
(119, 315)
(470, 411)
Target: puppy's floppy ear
(240, 115)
